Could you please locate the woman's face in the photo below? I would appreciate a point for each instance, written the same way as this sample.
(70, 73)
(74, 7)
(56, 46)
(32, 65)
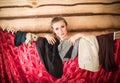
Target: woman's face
(60, 29)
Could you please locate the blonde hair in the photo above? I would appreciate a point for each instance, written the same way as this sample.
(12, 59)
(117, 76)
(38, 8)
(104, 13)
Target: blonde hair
(56, 19)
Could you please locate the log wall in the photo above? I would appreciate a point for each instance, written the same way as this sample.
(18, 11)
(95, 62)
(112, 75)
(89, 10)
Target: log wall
(81, 15)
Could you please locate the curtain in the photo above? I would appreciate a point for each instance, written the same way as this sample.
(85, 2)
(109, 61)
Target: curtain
(22, 65)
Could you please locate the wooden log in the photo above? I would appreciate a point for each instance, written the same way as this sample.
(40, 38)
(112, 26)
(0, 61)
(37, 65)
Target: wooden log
(41, 2)
(14, 2)
(75, 23)
(74, 1)
(60, 10)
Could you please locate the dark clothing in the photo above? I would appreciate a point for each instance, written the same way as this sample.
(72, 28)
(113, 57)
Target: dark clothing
(19, 38)
(49, 56)
(69, 53)
(106, 52)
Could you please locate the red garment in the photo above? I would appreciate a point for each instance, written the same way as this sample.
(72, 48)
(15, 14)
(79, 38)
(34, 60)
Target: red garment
(22, 65)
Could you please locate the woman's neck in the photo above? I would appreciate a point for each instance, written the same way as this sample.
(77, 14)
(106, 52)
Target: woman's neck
(66, 37)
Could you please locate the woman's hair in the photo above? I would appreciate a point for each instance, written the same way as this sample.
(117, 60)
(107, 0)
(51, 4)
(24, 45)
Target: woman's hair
(56, 19)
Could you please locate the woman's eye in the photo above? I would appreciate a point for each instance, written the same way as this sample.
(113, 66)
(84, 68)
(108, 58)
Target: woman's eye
(62, 26)
(56, 29)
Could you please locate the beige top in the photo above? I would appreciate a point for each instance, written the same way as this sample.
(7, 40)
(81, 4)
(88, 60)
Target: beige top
(88, 54)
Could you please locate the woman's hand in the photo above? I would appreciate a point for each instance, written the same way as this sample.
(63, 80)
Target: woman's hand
(73, 38)
(50, 38)
(29, 38)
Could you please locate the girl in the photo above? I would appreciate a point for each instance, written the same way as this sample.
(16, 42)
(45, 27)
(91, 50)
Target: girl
(60, 29)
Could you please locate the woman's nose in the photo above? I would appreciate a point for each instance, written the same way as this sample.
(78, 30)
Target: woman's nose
(60, 30)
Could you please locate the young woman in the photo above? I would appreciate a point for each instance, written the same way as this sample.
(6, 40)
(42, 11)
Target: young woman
(55, 49)
(60, 29)
(52, 50)
(69, 44)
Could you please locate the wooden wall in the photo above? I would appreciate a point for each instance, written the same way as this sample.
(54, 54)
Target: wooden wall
(81, 15)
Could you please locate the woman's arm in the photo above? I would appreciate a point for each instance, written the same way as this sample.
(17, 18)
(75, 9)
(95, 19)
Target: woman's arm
(33, 37)
(50, 37)
(76, 36)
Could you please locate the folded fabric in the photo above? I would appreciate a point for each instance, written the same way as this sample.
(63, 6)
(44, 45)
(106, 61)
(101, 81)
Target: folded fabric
(19, 38)
(106, 52)
(88, 54)
(50, 57)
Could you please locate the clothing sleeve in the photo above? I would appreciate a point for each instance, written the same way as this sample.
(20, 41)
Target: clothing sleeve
(19, 38)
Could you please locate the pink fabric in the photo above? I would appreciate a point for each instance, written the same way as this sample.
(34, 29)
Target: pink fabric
(22, 65)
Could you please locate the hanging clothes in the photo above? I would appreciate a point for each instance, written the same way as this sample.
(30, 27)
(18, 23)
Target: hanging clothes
(67, 51)
(88, 54)
(50, 57)
(19, 38)
(106, 51)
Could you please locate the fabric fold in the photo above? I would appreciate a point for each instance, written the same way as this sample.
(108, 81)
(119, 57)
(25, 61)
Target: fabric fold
(19, 38)
(106, 52)
(88, 54)
(68, 51)
(49, 56)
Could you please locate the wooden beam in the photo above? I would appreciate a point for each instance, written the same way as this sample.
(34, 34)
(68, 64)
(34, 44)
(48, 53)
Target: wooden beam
(75, 23)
